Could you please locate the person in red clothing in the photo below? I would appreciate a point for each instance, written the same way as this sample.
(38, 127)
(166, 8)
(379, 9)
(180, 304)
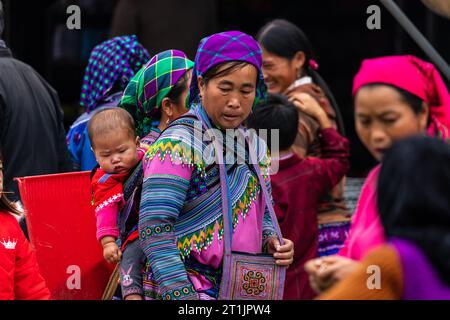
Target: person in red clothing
(299, 183)
(20, 278)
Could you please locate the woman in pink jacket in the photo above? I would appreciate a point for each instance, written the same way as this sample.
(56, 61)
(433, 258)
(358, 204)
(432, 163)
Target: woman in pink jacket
(395, 97)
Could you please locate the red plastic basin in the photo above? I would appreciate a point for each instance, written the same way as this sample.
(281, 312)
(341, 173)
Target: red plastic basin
(62, 227)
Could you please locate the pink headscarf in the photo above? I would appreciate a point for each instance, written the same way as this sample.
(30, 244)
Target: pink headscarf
(415, 76)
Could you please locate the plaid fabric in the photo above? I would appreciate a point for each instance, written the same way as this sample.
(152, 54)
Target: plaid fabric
(111, 64)
(225, 47)
(143, 96)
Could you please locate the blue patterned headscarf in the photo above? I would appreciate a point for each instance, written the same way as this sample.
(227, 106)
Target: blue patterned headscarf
(225, 47)
(111, 64)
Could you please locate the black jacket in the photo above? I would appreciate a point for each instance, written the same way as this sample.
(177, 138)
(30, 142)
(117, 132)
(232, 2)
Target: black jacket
(32, 137)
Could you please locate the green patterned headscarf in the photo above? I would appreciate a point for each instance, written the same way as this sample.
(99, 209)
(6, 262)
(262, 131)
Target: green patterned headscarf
(151, 84)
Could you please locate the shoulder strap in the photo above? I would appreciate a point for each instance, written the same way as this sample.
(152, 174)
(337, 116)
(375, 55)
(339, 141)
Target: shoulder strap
(177, 122)
(93, 171)
(266, 196)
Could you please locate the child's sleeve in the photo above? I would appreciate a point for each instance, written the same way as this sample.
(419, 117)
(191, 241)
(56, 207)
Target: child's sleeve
(28, 282)
(334, 163)
(107, 221)
(108, 196)
(165, 186)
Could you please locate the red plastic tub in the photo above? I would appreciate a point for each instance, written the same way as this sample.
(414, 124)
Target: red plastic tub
(61, 226)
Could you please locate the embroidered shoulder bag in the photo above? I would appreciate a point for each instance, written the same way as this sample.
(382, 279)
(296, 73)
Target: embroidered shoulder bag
(247, 276)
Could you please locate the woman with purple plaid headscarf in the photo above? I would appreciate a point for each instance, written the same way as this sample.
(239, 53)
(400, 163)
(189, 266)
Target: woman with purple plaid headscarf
(111, 65)
(180, 218)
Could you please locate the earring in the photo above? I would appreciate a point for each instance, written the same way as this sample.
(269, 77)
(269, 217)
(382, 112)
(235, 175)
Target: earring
(167, 122)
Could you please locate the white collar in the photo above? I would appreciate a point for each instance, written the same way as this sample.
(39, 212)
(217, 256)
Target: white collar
(299, 82)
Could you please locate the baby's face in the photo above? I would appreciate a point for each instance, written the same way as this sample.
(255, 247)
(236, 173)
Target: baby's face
(116, 151)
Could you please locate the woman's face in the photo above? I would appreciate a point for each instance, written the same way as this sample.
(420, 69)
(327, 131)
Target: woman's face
(172, 110)
(228, 100)
(382, 117)
(181, 107)
(280, 73)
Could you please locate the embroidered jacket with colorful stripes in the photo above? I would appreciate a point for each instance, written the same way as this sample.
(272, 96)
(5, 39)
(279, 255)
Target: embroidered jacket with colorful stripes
(179, 217)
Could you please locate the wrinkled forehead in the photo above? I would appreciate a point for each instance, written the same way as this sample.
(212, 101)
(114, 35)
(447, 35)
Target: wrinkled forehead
(245, 73)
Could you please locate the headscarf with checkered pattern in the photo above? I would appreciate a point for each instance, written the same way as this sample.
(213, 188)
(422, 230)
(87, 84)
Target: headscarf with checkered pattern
(146, 90)
(111, 65)
(225, 47)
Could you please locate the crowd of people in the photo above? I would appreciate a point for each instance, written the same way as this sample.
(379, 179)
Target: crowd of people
(175, 201)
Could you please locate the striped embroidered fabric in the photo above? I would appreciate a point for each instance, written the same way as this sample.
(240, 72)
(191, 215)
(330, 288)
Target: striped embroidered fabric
(193, 209)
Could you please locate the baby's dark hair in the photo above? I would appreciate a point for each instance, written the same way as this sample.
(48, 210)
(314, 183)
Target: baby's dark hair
(110, 119)
(277, 112)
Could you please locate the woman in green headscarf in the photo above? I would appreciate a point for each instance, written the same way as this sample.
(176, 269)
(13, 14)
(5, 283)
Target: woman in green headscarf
(155, 96)
(158, 93)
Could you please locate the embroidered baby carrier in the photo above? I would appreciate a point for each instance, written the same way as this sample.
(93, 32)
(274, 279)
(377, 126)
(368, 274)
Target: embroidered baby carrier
(127, 222)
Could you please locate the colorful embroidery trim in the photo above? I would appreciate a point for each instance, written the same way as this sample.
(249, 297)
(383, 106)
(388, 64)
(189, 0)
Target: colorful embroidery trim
(203, 238)
(176, 294)
(108, 202)
(178, 152)
(155, 230)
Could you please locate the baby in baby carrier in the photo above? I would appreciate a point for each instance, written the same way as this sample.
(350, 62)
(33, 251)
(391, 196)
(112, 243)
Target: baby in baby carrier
(116, 148)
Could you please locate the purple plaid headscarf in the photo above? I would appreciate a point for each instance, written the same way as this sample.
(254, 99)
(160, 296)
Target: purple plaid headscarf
(224, 47)
(111, 63)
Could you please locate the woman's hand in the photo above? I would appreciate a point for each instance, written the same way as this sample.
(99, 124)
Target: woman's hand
(306, 103)
(325, 272)
(283, 254)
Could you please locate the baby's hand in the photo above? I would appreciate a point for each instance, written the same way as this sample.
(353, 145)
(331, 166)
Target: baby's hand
(111, 252)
